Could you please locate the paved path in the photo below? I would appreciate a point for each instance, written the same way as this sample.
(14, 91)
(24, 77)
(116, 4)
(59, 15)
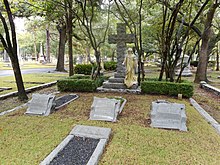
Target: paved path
(25, 71)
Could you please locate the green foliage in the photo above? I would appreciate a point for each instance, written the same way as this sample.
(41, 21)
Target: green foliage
(73, 85)
(167, 88)
(79, 83)
(194, 63)
(110, 65)
(78, 76)
(83, 69)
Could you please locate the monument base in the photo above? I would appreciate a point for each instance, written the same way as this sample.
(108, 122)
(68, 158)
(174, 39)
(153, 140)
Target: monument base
(185, 73)
(116, 83)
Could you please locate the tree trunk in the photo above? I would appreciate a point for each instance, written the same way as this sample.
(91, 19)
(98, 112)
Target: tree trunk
(70, 38)
(48, 45)
(61, 49)
(18, 78)
(98, 61)
(10, 45)
(35, 48)
(201, 72)
(217, 58)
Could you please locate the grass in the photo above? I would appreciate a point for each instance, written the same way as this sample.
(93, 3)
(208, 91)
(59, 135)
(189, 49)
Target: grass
(26, 65)
(29, 139)
(9, 81)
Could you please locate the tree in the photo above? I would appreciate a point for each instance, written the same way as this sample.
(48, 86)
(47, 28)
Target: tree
(201, 72)
(10, 45)
(86, 14)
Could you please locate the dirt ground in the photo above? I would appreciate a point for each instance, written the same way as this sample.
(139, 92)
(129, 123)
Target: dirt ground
(209, 102)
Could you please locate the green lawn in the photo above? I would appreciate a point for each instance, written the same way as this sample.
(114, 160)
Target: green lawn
(29, 139)
(26, 65)
(9, 81)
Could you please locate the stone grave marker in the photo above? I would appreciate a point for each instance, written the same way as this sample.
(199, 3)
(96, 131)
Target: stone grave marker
(168, 115)
(121, 39)
(106, 109)
(84, 145)
(41, 104)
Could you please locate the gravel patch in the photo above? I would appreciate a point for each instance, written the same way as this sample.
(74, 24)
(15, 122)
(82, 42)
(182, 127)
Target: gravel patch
(63, 100)
(77, 152)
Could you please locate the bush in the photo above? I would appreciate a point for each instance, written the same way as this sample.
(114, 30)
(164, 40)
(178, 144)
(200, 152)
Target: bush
(74, 85)
(79, 76)
(167, 88)
(79, 83)
(194, 63)
(83, 69)
(110, 65)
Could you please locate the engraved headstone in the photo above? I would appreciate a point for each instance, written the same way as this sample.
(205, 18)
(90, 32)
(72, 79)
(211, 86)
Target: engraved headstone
(106, 109)
(168, 115)
(41, 104)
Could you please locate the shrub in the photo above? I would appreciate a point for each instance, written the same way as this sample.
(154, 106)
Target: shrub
(79, 83)
(167, 88)
(79, 76)
(194, 63)
(83, 69)
(74, 85)
(110, 65)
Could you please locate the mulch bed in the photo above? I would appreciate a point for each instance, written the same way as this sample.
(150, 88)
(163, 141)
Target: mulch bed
(77, 152)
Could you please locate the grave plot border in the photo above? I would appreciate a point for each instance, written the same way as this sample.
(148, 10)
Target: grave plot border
(210, 88)
(205, 115)
(77, 96)
(83, 131)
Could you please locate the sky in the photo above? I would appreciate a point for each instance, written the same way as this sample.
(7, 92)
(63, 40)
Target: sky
(19, 25)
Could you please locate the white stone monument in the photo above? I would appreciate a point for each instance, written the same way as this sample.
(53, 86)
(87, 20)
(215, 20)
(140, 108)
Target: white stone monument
(106, 109)
(186, 71)
(41, 104)
(168, 115)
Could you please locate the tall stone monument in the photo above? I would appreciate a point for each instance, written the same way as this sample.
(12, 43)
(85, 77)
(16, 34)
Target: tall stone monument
(121, 39)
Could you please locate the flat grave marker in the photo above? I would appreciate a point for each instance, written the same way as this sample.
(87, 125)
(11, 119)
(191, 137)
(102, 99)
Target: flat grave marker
(84, 145)
(168, 115)
(41, 104)
(106, 109)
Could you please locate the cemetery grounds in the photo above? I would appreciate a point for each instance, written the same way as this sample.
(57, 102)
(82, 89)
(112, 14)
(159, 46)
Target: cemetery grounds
(29, 139)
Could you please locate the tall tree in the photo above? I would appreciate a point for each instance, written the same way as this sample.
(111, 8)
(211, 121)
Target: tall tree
(10, 45)
(86, 14)
(201, 72)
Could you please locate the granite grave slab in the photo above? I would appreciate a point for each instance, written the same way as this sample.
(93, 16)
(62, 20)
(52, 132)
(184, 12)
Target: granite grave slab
(106, 109)
(84, 145)
(41, 104)
(168, 115)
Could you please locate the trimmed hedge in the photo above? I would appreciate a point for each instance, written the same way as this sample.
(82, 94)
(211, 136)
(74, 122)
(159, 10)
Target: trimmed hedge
(110, 65)
(167, 88)
(79, 83)
(83, 69)
(79, 76)
(74, 85)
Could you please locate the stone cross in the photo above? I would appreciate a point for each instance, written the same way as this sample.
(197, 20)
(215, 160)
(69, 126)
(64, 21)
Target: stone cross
(121, 38)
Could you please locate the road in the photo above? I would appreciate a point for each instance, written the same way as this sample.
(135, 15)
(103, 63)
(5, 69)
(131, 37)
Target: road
(25, 71)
